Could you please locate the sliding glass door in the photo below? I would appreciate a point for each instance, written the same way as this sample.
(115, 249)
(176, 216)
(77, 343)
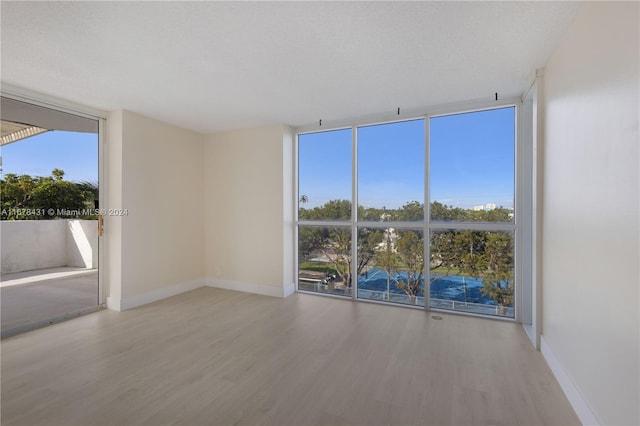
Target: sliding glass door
(50, 211)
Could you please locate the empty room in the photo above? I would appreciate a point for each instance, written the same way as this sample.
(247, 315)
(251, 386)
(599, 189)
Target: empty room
(320, 213)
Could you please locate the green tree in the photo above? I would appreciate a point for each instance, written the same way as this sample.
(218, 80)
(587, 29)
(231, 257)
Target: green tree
(307, 240)
(331, 210)
(57, 194)
(57, 174)
(19, 194)
(386, 257)
(442, 212)
(91, 192)
(499, 214)
(410, 249)
(443, 252)
(334, 243)
(372, 214)
(411, 211)
(496, 270)
(337, 248)
(16, 193)
(483, 255)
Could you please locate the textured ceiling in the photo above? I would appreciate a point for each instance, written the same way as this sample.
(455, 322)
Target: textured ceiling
(212, 66)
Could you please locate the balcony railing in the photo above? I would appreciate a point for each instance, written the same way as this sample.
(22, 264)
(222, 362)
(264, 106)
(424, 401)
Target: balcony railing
(318, 286)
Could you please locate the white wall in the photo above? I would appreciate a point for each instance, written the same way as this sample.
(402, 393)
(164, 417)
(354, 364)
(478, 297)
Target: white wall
(28, 245)
(113, 224)
(82, 243)
(248, 205)
(289, 202)
(590, 214)
(158, 245)
(33, 244)
(201, 210)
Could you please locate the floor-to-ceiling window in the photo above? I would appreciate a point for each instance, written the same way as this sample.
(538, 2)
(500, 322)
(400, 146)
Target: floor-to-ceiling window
(472, 217)
(391, 166)
(325, 211)
(417, 212)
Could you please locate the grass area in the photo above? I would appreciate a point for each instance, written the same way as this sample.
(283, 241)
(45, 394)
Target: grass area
(317, 267)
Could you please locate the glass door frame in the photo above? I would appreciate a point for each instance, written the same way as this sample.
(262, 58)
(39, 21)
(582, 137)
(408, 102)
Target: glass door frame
(57, 104)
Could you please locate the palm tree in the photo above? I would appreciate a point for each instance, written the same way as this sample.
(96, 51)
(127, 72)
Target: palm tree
(304, 199)
(90, 188)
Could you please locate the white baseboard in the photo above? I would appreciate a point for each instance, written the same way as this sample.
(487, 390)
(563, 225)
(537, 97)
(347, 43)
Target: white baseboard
(265, 290)
(289, 290)
(155, 295)
(531, 333)
(580, 405)
(114, 304)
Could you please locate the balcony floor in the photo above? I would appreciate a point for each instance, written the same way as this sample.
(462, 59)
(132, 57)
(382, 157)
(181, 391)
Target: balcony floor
(33, 298)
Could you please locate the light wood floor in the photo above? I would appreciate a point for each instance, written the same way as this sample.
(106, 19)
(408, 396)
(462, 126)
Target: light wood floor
(213, 356)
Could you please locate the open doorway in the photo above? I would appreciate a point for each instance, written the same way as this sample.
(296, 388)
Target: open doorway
(50, 221)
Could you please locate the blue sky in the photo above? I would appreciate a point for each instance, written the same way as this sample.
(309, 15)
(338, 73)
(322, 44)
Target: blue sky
(471, 162)
(74, 152)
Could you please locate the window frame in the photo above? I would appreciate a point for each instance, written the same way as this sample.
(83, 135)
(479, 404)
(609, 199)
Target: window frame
(522, 191)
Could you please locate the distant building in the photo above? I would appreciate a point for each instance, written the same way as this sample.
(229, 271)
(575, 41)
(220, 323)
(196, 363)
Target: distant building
(486, 207)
